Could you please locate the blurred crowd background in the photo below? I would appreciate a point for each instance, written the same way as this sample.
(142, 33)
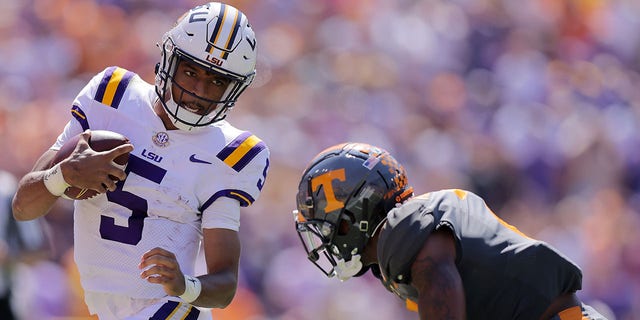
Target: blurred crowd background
(534, 105)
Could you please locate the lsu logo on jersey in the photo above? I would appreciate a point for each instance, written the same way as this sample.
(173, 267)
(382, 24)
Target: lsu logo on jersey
(241, 150)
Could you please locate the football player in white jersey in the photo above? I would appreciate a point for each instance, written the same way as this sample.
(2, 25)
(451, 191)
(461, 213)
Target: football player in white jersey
(136, 243)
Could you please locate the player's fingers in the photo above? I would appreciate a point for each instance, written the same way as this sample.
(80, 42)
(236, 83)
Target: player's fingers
(158, 251)
(99, 188)
(151, 272)
(86, 135)
(159, 271)
(155, 279)
(120, 150)
(159, 260)
(158, 256)
(117, 174)
(83, 142)
(109, 185)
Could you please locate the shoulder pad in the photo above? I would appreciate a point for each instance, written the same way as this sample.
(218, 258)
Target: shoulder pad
(112, 86)
(241, 150)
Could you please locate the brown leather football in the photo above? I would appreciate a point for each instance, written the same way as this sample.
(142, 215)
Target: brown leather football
(100, 140)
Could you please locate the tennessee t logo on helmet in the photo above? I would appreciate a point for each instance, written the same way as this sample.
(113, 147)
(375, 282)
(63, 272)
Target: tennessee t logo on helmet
(343, 196)
(323, 183)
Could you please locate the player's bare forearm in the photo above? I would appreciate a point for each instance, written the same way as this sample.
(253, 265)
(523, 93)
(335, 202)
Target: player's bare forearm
(222, 266)
(435, 276)
(32, 199)
(443, 297)
(218, 290)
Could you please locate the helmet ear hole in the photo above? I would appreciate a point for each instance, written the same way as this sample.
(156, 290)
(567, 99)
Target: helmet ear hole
(346, 223)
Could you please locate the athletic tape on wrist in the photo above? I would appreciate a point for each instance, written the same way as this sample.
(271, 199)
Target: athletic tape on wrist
(192, 290)
(54, 181)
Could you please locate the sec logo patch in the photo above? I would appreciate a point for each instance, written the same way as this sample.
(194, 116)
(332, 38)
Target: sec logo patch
(161, 139)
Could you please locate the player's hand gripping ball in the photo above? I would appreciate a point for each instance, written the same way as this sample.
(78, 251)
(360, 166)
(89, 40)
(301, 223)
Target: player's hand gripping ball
(100, 140)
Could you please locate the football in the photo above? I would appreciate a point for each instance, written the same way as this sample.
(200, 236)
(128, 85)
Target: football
(100, 140)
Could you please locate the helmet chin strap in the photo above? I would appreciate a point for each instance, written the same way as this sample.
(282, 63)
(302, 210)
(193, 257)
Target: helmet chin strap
(347, 269)
(170, 105)
(184, 114)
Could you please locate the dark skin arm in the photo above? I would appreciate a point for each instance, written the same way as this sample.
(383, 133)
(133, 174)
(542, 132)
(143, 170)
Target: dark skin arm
(222, 254)
(434, 275)
(84, 168)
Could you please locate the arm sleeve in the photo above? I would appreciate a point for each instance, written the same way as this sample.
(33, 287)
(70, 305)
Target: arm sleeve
(222, 210)
(223, 213)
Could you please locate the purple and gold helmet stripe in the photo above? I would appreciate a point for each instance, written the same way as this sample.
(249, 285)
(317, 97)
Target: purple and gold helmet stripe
(112, 87)
(77, 113)
(229, 19)
(176, 310)
(216, 30)
(244, 198)
(239, 152)
(231, 39)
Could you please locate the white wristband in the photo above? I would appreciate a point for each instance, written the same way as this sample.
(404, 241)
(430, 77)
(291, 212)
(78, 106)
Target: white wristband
(192, 289)
(54, 181)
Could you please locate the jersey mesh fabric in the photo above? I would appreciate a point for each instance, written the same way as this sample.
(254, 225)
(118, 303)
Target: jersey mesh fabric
(506, 275)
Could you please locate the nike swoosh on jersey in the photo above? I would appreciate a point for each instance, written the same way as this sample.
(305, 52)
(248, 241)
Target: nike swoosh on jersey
(196, 160)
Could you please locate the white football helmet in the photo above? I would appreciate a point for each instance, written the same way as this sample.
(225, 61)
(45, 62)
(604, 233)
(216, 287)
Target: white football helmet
(218, 38)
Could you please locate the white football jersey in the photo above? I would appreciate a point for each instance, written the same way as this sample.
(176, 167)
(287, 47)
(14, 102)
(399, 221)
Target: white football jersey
(177, 184)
